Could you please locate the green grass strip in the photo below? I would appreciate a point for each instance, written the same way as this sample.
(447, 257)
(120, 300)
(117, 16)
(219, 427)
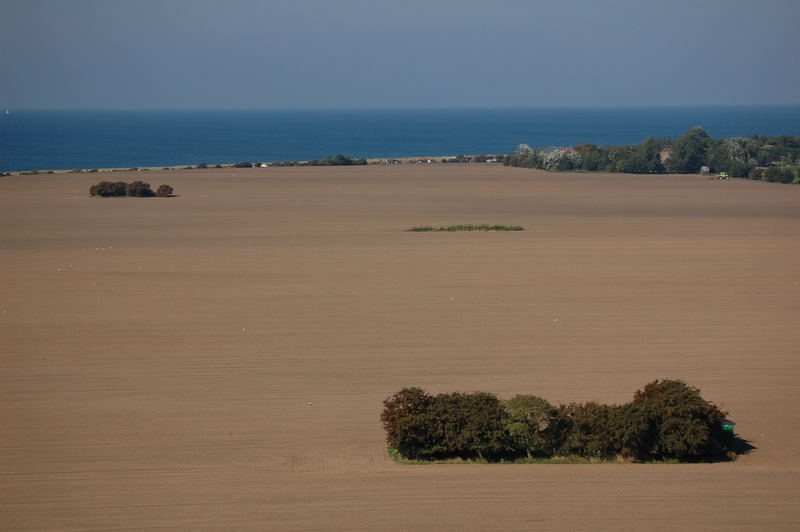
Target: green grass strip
(396, 457)
(467, 227)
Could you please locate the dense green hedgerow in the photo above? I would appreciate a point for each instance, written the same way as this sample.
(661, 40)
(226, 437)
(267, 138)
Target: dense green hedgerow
(139, 189)
(336, 160)
(667, 420)
(465, 227)
(107, 189)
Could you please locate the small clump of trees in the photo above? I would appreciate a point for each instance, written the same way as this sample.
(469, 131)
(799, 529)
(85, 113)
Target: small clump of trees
(751, 157)
(666, 420)
(137, 189)
(336, 160)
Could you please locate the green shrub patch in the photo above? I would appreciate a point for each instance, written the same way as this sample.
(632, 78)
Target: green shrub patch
(466, 227)
(668, 420)
(137, 189)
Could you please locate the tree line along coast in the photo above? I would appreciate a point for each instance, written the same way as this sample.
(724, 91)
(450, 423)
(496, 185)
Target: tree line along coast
(763, 158)
(774, 159)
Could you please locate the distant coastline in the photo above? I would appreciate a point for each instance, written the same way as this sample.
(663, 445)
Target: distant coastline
(217, 166)
(37, 140)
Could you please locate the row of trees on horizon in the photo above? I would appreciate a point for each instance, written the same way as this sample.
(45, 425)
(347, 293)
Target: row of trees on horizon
(756, 157)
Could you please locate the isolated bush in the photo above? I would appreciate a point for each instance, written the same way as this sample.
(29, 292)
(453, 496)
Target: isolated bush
(202, 165)
(107, 189)
(668, 419)
(244, 164)
(139, 189)
(164, 191)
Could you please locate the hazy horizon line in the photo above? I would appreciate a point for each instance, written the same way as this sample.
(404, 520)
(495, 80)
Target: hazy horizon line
(421, 108)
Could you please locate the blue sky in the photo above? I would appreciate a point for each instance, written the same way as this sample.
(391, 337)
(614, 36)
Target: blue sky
(278, 54)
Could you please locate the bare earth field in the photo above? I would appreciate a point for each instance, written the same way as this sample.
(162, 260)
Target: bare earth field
(158, 356)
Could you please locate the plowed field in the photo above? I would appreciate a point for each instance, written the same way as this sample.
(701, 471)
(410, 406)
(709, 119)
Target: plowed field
(217, 360)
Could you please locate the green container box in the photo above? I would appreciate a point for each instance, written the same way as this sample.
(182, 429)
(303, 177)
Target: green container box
(727, 425)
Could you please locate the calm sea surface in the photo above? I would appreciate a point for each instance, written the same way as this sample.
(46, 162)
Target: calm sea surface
(32, 140)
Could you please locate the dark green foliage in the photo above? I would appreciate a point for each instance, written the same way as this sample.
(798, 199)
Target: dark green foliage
(524, 156)
(528, 419)
(778, 174)
(688, 426)
(583, 429)
(668, 419)
(140, 189)
(590, 157)
(466, 425)
(338, 160)
(164, 191)
(616, 158)
(405, 420)
(465, 227)
(108, 189)
(735, 156)
(645, 158)
(565, 164)
(689, 152)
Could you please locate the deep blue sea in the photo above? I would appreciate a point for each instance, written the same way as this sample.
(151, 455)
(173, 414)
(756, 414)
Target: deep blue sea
(32, 140)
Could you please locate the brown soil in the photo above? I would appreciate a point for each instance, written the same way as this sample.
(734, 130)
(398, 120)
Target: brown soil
(158, 356)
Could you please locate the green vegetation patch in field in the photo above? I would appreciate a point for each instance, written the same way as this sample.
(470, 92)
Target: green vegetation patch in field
(465, 227)
(667, 420)
(396, 457)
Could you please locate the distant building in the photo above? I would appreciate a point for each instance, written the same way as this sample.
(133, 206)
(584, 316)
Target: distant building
(664, 154)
